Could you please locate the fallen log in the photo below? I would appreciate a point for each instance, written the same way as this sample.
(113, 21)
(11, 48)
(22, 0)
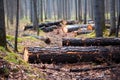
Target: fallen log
(71, 54)
(83, 32)
(50, 24)
(70, 28)
(91, 42)
(49, 29)
(45, 39)
(95, 68)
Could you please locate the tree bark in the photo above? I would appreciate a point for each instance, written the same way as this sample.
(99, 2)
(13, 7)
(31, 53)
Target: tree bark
(17, 25)
(91, 42)
(71, 54)
(2, 25)
(118, 21)
(99, 17)
(112, 18)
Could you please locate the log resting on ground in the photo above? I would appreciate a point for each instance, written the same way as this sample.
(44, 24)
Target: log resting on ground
(91, 42)
(83, 32)
(50, 24)
(71, 54)
(45, 39)
(95, 68)
(82, 27)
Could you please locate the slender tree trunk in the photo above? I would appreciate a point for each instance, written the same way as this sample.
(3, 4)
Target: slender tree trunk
(79, 10)
(17, 25)
(112, 18)
(41, 2)
(85, 12)
(35, 22)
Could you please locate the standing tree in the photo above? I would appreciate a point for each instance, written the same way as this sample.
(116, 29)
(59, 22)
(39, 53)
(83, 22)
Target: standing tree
(2, 25)
(112, 18)
(85, 12)
(99, 17)
(118, 22)
(17, 24)
(35, 21)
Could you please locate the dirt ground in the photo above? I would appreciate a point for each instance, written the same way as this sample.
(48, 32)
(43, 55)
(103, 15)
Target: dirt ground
(62, 71)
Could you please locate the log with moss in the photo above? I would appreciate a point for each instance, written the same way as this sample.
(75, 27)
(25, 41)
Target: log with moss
(91, 42)
(71, 54)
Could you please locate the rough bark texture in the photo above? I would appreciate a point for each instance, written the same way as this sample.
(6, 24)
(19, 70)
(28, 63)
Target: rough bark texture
(99, 17)
(91, 42)
(112, 18)
(71, 54)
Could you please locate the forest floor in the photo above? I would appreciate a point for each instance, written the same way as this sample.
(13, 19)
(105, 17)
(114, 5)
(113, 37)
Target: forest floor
(57, 71)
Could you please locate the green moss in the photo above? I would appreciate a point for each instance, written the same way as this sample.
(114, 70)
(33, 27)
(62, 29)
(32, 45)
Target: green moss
(2, 49)
(12, 38)
(42, 33)
(91, 35)
(14, 58)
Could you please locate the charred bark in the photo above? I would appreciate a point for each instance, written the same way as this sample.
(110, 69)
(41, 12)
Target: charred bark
(91, 42)
(71, 54)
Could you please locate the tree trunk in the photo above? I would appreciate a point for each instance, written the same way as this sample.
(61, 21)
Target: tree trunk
(35, 22)
(17, 25)
(85, 12)
(112, 18)
(118, 22)
(99, 17)
(71, 54)
(91, 42)
(2, 25)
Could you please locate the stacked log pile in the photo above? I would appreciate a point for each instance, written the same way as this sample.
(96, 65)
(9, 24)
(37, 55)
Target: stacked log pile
(71, 54)
(50, 26)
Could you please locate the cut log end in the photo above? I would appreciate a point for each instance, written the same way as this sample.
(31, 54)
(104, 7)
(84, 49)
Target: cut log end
(47, 41)
(26, 52)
